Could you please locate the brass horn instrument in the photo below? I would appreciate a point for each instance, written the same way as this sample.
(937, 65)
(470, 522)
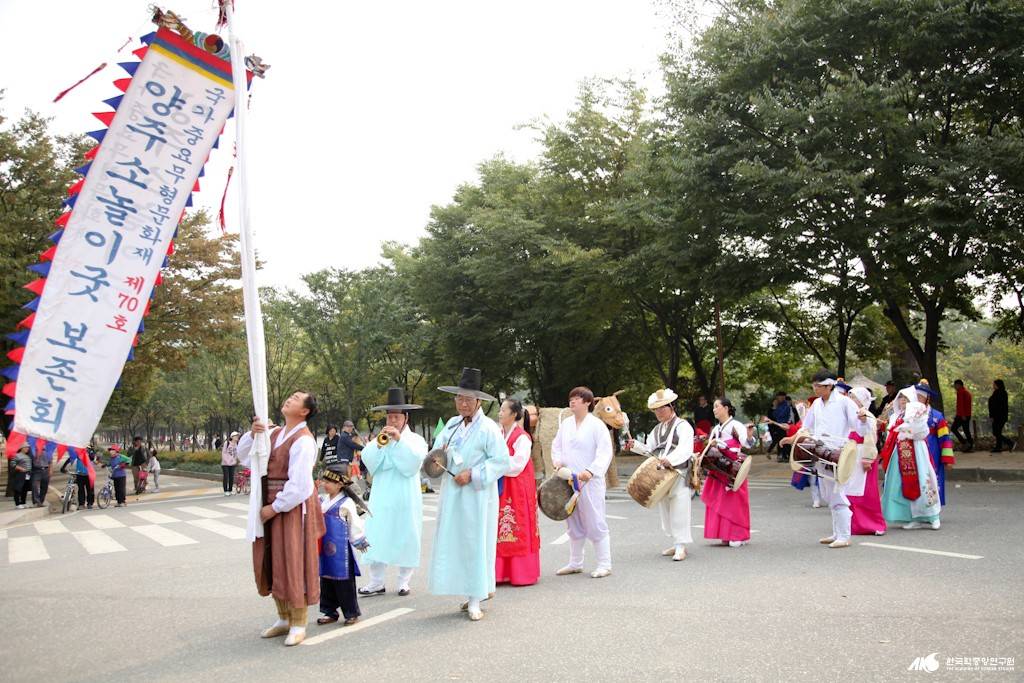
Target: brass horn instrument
(383, 439)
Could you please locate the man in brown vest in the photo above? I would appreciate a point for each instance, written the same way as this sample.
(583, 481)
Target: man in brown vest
(285, 559)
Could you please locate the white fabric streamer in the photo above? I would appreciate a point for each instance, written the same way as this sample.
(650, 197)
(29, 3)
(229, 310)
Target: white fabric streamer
(250, 291)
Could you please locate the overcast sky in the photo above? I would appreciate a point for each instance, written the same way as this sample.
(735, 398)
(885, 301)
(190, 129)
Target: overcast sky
(371, 112)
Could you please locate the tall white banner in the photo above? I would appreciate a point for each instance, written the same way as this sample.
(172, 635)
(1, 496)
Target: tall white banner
(117, 236)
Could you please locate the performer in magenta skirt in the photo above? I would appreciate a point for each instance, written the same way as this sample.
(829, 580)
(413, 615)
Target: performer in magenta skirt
(726, 512)
(866, 506)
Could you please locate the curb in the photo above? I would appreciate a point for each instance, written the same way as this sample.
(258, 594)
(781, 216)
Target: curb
(984, 475)
(193, 475)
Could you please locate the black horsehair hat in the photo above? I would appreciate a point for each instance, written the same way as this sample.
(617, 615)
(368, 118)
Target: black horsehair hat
(469, 385)
(396, 401)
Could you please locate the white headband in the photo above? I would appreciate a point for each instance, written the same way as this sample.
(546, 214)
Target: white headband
(827, 382)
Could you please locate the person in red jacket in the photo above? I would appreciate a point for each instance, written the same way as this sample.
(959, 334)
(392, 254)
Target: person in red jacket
(963, 415)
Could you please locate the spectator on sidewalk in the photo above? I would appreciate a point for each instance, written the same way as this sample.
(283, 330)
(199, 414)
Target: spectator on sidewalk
(139, 456)
(228, 462)
(963, 415)
(347, 447)
(86, 492)
(890, 396)
(999, 413)
(781, 414)
(22, 483)
(40, 477)
(703, 415)
(154, 469)
(118, 473)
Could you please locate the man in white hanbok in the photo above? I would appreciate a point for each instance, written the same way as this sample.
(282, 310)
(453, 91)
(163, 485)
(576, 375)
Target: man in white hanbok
(582, 445)
(834, 419)
(671, 441)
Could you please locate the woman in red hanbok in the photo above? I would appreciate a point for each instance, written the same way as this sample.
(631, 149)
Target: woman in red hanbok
(518, 554)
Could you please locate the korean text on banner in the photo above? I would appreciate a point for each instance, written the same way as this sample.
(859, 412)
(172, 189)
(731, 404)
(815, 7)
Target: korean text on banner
(116, 239)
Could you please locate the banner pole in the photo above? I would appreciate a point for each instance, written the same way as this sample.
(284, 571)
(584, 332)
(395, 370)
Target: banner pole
(250, 290)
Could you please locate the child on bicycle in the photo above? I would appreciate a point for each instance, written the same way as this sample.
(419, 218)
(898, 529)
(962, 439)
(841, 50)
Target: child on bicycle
(338, 567)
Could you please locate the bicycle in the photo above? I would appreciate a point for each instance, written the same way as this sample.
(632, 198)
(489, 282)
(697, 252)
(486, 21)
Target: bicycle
(242, 482)
(106, 494)
(69, 494)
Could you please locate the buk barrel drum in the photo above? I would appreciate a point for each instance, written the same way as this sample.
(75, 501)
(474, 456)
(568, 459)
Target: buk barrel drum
(735, 471)
(553, 496)
(651, 482)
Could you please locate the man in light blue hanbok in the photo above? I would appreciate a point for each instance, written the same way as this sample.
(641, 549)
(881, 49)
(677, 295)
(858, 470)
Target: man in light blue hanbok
(467, 520)
(395, 526)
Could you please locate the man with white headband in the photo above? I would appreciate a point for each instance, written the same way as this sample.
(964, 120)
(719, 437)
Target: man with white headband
(833, 419)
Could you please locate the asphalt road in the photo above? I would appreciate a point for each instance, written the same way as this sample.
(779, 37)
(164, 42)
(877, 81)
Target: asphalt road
(162, 591)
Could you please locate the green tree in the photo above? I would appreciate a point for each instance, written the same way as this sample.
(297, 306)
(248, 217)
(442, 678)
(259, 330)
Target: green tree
(891, 126)
(36, 168)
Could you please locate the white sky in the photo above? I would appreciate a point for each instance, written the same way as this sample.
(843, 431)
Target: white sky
(371, 112)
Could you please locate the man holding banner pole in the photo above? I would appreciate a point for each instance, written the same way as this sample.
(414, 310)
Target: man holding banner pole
(286, 559)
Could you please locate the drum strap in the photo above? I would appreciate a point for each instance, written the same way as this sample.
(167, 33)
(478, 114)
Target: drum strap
(666, 442)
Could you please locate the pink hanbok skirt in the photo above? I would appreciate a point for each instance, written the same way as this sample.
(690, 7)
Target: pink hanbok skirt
(726, 512)
(867, 509)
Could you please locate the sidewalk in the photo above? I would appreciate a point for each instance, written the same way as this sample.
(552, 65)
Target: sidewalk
(171, 487)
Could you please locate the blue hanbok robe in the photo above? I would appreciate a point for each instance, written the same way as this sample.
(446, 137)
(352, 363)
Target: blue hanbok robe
(467, 520)
(394, 528)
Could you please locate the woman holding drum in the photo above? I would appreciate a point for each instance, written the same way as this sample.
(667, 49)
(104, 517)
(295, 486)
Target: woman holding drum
(727, 511)
(670, 445)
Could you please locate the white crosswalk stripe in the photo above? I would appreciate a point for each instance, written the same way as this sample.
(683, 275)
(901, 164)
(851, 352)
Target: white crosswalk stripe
(97, 542)
(50, 526)
(154, 517)
(197, 511)
(218, 527)
(234, 506)
(162, 535)
(101, 521)
(26, 549)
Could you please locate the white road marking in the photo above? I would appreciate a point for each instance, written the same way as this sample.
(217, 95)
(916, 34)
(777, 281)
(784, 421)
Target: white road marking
(430, 508)
(154, 517)
(620, 501)
(234, 506)
(50, 526)
(429, 519)
(26, 549)
(201, 512)
(922, 550)
(162, 535)
(97, 542)
(101, 521)
(217, 527)
(564, 538)
(339, 631)
(614, 516)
